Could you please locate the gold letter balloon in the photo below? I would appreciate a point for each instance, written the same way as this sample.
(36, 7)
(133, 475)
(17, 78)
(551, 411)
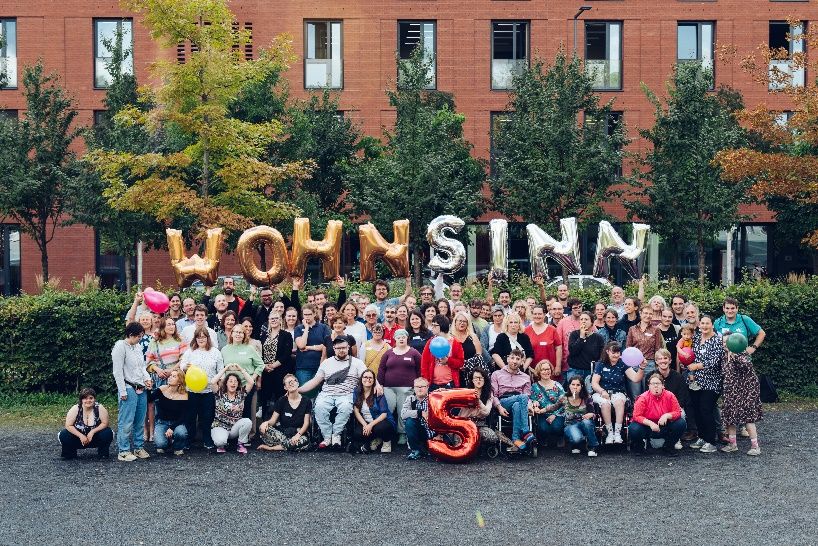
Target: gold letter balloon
(328, 249)
(395, 254)
(245, 251)
(194, 268)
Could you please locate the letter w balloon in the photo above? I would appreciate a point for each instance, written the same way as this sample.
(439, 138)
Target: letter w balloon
(441, 421)
(438, 239)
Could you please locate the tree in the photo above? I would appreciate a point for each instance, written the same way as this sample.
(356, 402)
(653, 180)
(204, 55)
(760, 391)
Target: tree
(679, 191)
(425, 168)
(780, 166)
(547, 166)
(217, 176)
(118, 230)
(36, 159)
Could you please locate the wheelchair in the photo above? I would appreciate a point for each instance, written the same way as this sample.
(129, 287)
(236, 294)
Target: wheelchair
(504, 445)
(602, 432)
(316, 437)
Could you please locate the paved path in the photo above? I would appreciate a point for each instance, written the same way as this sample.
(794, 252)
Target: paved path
(326, 498)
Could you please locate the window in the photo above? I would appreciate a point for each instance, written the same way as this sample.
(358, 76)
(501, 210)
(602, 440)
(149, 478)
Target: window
(497, 120)
(8, 53)
(106, 32)
(323, 61)
(411, 35)
(9, 260)
(509, 52)
(603, 54)
(9, 114)
(111, 267)
(694, 43)
(787, 41)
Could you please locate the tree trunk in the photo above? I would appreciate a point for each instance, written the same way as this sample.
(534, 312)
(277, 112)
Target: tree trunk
(128, 275)
(43, 244)
(700, 251)
(417, 258)
(205, 169)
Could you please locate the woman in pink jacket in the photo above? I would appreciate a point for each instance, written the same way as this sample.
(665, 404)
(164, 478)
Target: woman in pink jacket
(656, 414)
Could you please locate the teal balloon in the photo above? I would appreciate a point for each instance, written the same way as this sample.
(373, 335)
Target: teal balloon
(736, 343)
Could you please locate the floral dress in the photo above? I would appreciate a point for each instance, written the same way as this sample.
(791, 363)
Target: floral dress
(555, 396)
(228, 410)
(742, 394)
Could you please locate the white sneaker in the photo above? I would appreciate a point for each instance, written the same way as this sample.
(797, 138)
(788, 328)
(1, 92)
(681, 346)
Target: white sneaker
(574, 451)
(678, 445)
(591, 453)
(609, 439)
(754, 451)
(336, 439)
(179, 452)
(386, 447)
(697, 444)
(159, 450)
(708, 448)
(142, 454)
(126, 456)
(617, 437)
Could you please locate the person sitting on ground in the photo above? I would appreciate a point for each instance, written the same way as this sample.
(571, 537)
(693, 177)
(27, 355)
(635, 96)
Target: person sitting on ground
(511, 388)
(579, 418)
(656, 414)
(288, 426)
(228, 423)
(374, 424)
(132, 385)
(415, 415)
(339, 376)
(548, 399)
(480, 413)
(609, 387)
(86, 425)
(171, 401)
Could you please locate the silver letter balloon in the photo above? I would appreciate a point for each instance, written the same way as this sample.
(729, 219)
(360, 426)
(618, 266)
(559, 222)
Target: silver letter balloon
(436, 235)
(610, 245)
(498, 242)
(565, 252)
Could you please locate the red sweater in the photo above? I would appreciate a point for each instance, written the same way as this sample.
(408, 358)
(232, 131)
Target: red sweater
(652, 407)
(455, 362)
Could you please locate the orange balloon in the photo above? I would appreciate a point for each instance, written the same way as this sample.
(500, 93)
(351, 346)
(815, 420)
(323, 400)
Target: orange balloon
(245, 252)
(395, 254)
(328, 249)
(441, 421)
(190, 269)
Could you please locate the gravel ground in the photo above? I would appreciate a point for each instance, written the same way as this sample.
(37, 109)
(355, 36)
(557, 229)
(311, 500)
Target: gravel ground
(340, 499)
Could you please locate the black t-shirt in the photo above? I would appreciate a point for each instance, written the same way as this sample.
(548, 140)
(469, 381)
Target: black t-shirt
(418, 341)
(290, 419)
(625, 323)
(670, 337)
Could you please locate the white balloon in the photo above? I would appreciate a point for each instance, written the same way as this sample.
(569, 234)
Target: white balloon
(498, 243)
(437, 237)
(565, 252)
(610, 245)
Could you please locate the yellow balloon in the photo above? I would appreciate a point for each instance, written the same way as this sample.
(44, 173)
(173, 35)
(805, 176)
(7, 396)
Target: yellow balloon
(196, 379)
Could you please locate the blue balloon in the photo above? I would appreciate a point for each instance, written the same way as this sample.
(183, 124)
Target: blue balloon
(439, 347)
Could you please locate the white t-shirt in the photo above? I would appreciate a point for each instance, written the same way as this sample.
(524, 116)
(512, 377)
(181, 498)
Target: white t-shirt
(340, 376)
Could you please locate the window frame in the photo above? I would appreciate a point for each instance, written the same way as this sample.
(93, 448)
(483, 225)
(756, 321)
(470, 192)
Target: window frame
(3, 22)
(94, 30)
(329, 23)
(699, 44)
(802, 72)
(493, 22)
(432, 22)
(608, 23)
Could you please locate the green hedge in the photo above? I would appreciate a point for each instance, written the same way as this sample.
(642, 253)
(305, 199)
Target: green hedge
(59, 341)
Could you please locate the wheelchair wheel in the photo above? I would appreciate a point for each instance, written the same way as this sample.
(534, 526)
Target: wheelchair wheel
(534, 451)
(492, 452)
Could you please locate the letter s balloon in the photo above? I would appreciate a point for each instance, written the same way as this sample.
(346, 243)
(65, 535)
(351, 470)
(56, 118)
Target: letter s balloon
(441, 421)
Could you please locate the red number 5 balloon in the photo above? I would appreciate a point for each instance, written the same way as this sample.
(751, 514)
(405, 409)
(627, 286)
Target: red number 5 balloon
(441, 421)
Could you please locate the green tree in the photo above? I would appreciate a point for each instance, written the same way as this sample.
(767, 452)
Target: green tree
(218, 177)
(547, 166)
(118, 230)
(425, 168)
(36, 159)
(679, 190)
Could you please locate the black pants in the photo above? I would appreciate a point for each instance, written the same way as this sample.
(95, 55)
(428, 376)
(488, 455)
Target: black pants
(201, 407)
(101, 440)
(704, 406)
(383, 430)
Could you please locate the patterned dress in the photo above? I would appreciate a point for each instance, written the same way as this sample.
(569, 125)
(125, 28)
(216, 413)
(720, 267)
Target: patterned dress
(741, 395)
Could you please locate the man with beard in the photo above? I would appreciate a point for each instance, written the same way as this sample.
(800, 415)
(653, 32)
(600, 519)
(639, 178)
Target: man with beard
(234, 303)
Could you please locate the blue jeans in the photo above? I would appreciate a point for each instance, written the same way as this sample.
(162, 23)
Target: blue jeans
(179, 434)
(548, 430)
(323, 406)
(671, 432)
(517, 406)
(131, 420)
(574, 433)
(416, 434)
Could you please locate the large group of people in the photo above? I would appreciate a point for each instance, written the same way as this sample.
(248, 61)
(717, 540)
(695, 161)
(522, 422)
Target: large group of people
(356, 374)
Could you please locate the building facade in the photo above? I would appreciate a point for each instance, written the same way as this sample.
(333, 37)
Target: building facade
(351, 46)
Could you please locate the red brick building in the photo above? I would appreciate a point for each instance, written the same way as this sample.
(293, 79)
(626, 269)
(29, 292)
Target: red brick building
(351, 45)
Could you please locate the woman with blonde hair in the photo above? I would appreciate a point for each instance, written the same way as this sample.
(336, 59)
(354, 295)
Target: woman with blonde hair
(172, 400)
(548, 399)
(472, 348)
(511, 338)
(522, 309)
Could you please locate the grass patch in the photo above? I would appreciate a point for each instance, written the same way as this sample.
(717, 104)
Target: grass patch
(44, 410)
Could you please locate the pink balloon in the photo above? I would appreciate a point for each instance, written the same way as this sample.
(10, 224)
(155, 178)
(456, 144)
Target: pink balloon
(632, 357)
(156, 301)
